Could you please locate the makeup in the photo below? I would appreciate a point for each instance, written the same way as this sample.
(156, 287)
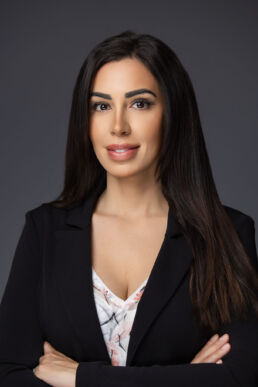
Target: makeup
(121, 154)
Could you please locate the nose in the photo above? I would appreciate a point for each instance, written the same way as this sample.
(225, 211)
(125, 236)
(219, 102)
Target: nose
(121, 125)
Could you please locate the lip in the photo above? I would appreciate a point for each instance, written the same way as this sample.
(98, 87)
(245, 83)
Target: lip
(121, 146)
(119, 156)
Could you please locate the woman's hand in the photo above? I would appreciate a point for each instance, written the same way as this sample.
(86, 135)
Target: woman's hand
(55, 368)
(213, 350)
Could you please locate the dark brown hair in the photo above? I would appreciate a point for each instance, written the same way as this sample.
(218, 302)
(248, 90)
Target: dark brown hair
(222, 279)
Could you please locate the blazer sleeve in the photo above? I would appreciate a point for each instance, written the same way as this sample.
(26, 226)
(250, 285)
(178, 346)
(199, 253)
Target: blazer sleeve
(21, 337)
(239, 367)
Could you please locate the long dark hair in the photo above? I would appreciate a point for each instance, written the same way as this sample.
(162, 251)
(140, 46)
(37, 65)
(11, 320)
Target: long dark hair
(222, 279)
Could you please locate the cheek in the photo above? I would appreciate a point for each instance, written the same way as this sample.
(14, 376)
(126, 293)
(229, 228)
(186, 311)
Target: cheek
(96, 131)
(150, 132)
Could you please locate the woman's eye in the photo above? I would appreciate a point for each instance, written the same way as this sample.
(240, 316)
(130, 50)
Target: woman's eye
(96, 104)
(101, 106)
(141, 102)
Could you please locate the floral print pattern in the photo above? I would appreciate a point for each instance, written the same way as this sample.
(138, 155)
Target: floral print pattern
(116, 317)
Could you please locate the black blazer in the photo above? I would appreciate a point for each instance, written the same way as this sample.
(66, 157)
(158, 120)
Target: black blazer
(49, 296)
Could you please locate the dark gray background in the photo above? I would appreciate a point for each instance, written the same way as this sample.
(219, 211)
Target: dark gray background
(43, 44)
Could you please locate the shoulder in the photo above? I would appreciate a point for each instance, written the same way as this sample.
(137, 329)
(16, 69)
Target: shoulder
(245, 227)
(238, 217)
(47, 213)
(46, 216)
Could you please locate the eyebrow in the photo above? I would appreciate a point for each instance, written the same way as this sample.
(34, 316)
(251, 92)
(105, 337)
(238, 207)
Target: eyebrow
(127, 95)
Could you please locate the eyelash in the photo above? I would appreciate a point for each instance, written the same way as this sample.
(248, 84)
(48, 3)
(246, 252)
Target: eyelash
(146, 101)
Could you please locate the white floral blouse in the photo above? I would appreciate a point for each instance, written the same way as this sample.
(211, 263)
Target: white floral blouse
(116, 317)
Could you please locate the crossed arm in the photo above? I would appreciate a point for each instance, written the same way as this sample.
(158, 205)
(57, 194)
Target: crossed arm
(22, 347)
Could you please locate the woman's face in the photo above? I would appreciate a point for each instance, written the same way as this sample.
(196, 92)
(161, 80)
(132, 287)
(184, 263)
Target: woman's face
(119, 119)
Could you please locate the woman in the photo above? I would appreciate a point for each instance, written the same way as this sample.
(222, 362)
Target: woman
(138, 227)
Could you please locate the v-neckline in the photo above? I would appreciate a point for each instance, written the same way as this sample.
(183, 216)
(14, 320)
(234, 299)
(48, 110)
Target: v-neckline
(114, 295)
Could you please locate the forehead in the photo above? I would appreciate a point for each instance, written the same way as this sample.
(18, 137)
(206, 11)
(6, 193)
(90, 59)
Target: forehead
(124, 75)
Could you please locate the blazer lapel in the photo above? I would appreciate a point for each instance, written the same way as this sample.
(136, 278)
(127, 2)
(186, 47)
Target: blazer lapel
(170, 268)
(72, 271)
